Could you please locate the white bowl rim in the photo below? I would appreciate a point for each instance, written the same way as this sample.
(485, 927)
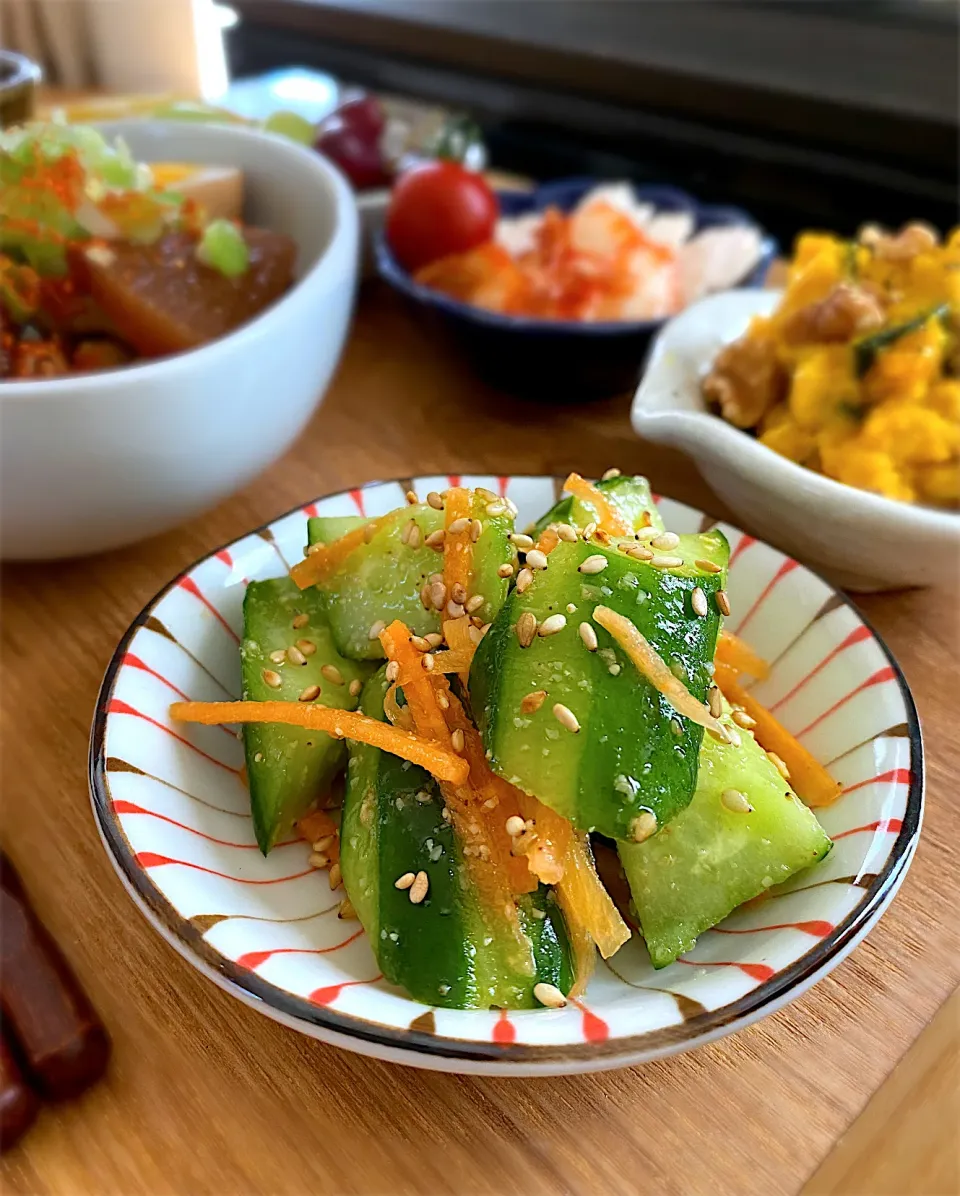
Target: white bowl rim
(767, 463)
(410, 1045)
(169, 367)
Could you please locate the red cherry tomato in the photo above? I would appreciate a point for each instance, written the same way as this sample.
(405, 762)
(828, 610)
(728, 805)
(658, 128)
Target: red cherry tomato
(357, 155)
(436, 209)
(363, 114)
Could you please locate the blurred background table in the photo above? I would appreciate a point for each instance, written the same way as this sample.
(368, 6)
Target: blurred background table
(205, 1095)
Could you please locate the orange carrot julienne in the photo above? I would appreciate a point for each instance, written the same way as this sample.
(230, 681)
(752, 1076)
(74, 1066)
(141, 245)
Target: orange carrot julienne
(457, 634)
(813, 784)
(444, 764)
(609, 518)
(415, 682)
(738, 654)
(548, 540)
(457, 545)
(321, 562)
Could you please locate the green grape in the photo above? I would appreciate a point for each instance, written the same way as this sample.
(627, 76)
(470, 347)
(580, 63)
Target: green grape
(292, 125)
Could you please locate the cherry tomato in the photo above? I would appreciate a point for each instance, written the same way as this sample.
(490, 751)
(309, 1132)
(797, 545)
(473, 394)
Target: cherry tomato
(363, 114)
(358, 156)
(436, 209)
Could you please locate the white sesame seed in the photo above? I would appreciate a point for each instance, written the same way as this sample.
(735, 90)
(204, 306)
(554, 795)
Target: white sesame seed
(459, 525)
(780, 765)
(411, 497)
(456, 740)
(454, 609)
(474, 603)
(405, 881)
(742, 719)
(645, 534)
(271, 678)
(571, 608)
(643, 826)
(393, 671)
(552, 624)
(589, 530)
(505, 571)
(279, 656)
(715, 701)
(732, 735)
(476, 530)
(444, 703)
(336, 876)
(332, 674)
(427, 661)
(438, 594)
(307, 647)
(515, 826)
(532, 702)
(698, 600)
(523, 542)
(308, 694)
(611, 473)
(458, 593)
(313, 549)
(526, 628)
(536, 559)
(435, 500)
(666, 541)
(418, 890)
(707, 566)
(318, 860)
(434, 639)
(324, 843)
(407, 529)
(639, 553)
(735, 801)
(524, 578)
(496, 508)
(355, 686)
(295, 656)
(594, 564)
(723, 601)
(375, 629)
(299, 621)
(512, 507)
(476, 633)
(666, 562)
(436, 539)
(565, 717)
(418, 642)
(345, 910)
(549, 995)
(567, 533)
(589, 636)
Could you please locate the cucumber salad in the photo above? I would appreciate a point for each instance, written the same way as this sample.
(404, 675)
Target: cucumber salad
(465, 719)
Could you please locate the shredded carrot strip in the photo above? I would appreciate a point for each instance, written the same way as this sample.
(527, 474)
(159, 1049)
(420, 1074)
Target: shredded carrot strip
(316, 825)
(561, 856)
(650, 664)
(457, 634)
(319, 564)
(399, 716)
(733, 651)
(457, 546)
(444, 764)
(813, 784)
(548, 540)
(416, 684)
(455, 661)
(609, 518)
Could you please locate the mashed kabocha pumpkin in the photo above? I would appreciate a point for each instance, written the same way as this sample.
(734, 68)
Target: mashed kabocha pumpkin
(856, 374)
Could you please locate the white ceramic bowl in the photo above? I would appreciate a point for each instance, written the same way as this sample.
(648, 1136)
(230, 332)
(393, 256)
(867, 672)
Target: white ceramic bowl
(863, 541)
(174, 815)
(98, 460)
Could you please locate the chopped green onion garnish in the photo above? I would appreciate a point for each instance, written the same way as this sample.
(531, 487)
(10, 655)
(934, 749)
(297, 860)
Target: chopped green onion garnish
(223, 248)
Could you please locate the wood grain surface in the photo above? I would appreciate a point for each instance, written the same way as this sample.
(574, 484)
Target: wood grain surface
(205, 1095)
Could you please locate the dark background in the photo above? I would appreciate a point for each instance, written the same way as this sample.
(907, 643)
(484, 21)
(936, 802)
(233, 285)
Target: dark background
(807, 113)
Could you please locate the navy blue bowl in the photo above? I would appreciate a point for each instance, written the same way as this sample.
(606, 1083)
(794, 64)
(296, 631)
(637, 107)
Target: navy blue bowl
(560, 360)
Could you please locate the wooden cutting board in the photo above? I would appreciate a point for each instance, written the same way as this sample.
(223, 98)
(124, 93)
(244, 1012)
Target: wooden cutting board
(205, 1095)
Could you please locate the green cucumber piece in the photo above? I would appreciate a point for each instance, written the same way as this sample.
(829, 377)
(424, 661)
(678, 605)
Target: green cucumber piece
(288, 767)
(383, 579)
(633, 752)
(708, 860)
(629, 494)
(441, 950)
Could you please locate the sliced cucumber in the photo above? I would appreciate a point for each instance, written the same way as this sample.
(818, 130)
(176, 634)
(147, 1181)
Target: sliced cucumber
(440, 950)
(711, 858)
(633, 752)
(288, 767)
(630, 495)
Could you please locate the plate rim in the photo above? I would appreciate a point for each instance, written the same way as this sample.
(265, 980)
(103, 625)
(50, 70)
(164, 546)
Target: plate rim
(708, 1026)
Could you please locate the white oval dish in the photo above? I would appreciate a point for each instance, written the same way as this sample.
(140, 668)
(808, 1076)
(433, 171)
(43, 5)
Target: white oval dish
(93, 461)
(863, 541)
(174, 817)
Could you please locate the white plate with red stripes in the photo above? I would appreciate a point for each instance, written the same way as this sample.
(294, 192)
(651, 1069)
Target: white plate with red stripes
(172, 810)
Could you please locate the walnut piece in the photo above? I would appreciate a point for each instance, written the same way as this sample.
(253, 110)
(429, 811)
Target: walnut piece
(906, 244)
(746, 380)
(846, 312)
